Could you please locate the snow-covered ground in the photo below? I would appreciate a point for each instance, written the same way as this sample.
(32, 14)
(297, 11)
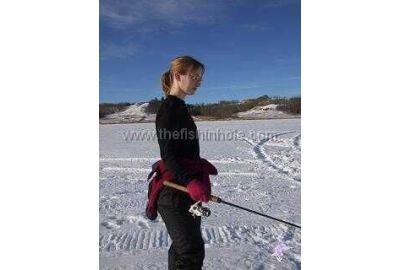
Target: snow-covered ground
(259, 168)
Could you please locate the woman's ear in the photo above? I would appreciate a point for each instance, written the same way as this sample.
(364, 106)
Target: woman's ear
(177, 76)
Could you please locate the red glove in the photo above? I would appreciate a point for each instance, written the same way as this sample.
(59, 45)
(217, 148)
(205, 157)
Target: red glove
(198, 191)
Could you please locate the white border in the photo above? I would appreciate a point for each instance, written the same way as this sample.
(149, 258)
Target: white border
(49, 138)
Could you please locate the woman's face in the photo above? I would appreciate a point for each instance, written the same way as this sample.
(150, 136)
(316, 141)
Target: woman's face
(191, 81)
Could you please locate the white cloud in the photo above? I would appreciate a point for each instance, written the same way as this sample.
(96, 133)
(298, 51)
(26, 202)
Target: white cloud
(112, 50)
(155, 14)
(148, 16)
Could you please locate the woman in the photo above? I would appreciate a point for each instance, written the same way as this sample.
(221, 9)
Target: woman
(180, 162)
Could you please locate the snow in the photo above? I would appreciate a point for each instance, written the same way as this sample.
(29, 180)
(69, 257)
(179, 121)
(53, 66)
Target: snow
(134, 113)
(265, 112)
(259, 169)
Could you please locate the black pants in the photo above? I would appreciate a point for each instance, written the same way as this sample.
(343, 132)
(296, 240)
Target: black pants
(187, 249)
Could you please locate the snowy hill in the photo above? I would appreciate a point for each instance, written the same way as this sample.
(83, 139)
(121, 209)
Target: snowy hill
(133, 114)
(265, 112)
(137, 113)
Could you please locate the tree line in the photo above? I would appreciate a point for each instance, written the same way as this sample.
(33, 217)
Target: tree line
(222, 109)
(109, 108)
(227, 108)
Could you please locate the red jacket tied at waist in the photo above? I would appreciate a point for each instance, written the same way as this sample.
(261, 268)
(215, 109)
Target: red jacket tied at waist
(201, 168)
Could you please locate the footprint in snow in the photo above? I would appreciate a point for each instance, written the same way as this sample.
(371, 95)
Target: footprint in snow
(110, 225)
(141, 221)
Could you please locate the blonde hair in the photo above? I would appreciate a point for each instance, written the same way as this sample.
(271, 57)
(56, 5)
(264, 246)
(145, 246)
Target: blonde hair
(181, 65)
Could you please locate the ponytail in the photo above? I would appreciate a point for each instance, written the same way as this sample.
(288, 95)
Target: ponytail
(166, 82)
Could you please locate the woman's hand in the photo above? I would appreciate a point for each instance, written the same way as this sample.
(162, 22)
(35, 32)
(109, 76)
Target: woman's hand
(198, 191)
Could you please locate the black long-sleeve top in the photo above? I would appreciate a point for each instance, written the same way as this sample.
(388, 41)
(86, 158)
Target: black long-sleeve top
(177, 136)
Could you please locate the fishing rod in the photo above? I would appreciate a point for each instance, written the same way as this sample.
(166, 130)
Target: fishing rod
(219, 200)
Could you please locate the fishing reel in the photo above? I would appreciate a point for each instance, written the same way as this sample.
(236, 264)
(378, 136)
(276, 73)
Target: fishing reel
(197, 210)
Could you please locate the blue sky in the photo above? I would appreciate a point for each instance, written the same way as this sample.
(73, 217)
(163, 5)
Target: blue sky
(249, 48)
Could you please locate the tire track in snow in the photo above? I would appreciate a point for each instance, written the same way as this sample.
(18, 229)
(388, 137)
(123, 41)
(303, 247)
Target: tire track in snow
(296, 141)
(212, 236)
(135, 170)
(127, 159)
(108, 204)
(260, 153)
(152, 160)
(119, 165)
